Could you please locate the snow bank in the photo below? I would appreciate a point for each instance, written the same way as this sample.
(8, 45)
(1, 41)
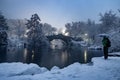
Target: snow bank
(79, 43)
(94, 47)
(14, 69)
(114, 54)
(100, 70)
(103, 35)
(55, 68)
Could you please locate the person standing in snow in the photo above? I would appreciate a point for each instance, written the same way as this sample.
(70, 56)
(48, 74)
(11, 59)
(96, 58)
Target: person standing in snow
(106, 44)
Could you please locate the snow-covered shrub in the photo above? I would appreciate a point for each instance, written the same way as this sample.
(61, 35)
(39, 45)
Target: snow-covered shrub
(115, 40)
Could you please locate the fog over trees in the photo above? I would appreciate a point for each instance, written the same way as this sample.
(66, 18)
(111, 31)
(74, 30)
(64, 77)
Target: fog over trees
(48, 29)
(109, 23)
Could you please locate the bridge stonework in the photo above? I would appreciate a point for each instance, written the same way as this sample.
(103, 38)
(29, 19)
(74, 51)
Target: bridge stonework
(66, 39)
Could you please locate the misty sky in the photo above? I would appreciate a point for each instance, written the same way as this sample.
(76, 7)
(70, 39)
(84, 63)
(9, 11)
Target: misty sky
(58, 12)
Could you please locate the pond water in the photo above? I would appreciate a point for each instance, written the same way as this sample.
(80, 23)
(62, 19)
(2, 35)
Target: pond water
(48, 57)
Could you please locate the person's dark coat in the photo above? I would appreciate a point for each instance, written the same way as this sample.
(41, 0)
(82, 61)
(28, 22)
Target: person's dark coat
(106, 42)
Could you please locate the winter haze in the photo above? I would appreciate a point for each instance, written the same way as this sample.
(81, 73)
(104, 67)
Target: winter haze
(58, 12)
(59, 39)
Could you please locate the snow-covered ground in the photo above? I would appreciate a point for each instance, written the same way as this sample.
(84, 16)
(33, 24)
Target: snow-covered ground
(98, 69)
(79, 43)
(114, 54)
(94, 47)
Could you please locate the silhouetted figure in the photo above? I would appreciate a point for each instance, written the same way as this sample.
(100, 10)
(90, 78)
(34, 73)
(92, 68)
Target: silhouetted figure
(106, 44)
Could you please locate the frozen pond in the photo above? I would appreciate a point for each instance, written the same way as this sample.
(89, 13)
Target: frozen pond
(49, 58)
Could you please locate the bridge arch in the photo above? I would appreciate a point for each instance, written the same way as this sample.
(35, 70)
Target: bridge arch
(66, 39)
(58, 44)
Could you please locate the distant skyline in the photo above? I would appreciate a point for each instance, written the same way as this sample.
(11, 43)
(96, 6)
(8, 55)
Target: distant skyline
(58, 12)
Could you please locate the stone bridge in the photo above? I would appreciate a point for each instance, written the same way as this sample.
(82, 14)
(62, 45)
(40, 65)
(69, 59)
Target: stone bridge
(66, 39)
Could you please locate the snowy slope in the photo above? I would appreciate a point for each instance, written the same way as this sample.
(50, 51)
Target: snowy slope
(14, 69)
(100, 69)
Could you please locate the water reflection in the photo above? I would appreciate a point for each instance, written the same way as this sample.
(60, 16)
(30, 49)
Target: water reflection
(64, 57)
(48, 57)
(54, 58)
(28, 56)
(85, 56)
(25, 54)
(3, 53)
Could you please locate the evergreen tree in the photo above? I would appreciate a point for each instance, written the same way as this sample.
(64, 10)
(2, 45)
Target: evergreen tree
(3, 30)
(36, 40)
